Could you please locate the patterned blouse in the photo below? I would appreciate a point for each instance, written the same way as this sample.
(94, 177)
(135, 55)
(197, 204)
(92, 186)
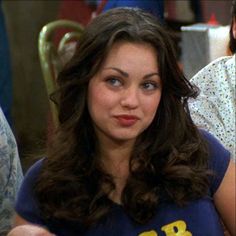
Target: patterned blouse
(10, 174)
(214, 109)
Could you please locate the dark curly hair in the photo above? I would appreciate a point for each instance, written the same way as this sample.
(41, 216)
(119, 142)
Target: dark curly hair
(169, 161)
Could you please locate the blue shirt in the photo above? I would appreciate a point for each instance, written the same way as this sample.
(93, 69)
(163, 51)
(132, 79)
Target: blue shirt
(198, 218)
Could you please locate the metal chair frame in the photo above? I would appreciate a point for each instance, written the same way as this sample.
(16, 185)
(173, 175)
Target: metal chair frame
(49, 55)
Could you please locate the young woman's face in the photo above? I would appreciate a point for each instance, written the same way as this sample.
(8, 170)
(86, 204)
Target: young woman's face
(124, 95)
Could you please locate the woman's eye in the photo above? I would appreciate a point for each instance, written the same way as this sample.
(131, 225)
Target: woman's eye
(113, 81)
(149, 85)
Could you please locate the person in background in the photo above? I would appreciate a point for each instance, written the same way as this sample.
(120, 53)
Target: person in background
(155, 7)
(215, 108)
(127, 158)
(5, 70)
(10, 174)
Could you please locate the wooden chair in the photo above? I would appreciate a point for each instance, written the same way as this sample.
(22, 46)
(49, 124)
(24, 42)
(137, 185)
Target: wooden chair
(52, 55)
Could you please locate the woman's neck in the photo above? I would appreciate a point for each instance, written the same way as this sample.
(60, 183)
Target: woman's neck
(115, 159)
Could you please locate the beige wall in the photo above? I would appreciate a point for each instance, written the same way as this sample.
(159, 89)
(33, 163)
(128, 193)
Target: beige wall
(24, 19)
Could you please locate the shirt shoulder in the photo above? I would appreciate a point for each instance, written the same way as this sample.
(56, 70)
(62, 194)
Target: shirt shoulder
(221, 68)
(219, 159)
(26, 205)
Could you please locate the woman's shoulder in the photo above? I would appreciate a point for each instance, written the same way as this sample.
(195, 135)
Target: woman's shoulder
(33, 171)
(219, 158)
(35, 167)
(31, 177)
(26, 204)
(215, 146)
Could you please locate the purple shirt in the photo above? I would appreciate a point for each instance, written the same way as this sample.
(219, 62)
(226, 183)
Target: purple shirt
(198, 218)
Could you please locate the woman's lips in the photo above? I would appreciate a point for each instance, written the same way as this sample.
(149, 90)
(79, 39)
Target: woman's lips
(126, 120)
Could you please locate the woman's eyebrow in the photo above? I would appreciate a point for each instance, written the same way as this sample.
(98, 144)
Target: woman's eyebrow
(150, 75)
(123, 73)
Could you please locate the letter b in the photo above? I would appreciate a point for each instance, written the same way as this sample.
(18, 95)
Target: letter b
(177, 228)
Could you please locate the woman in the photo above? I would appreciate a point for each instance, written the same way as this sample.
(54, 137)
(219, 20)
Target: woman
(127, 158)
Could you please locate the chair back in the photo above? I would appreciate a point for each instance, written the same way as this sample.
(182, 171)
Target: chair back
(54, 55)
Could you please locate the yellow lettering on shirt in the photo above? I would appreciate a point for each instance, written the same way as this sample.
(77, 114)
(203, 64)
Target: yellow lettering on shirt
(177, 228)
(149, 233)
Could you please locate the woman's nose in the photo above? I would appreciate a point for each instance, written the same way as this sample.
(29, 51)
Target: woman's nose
(130, 98)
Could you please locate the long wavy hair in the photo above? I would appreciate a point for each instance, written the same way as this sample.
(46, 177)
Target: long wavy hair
(169, 161)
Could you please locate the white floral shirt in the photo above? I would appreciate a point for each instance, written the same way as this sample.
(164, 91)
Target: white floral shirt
(214, 108)
(10, 174)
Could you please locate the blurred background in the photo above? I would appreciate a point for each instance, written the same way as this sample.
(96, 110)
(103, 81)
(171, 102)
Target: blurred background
(28, 102)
